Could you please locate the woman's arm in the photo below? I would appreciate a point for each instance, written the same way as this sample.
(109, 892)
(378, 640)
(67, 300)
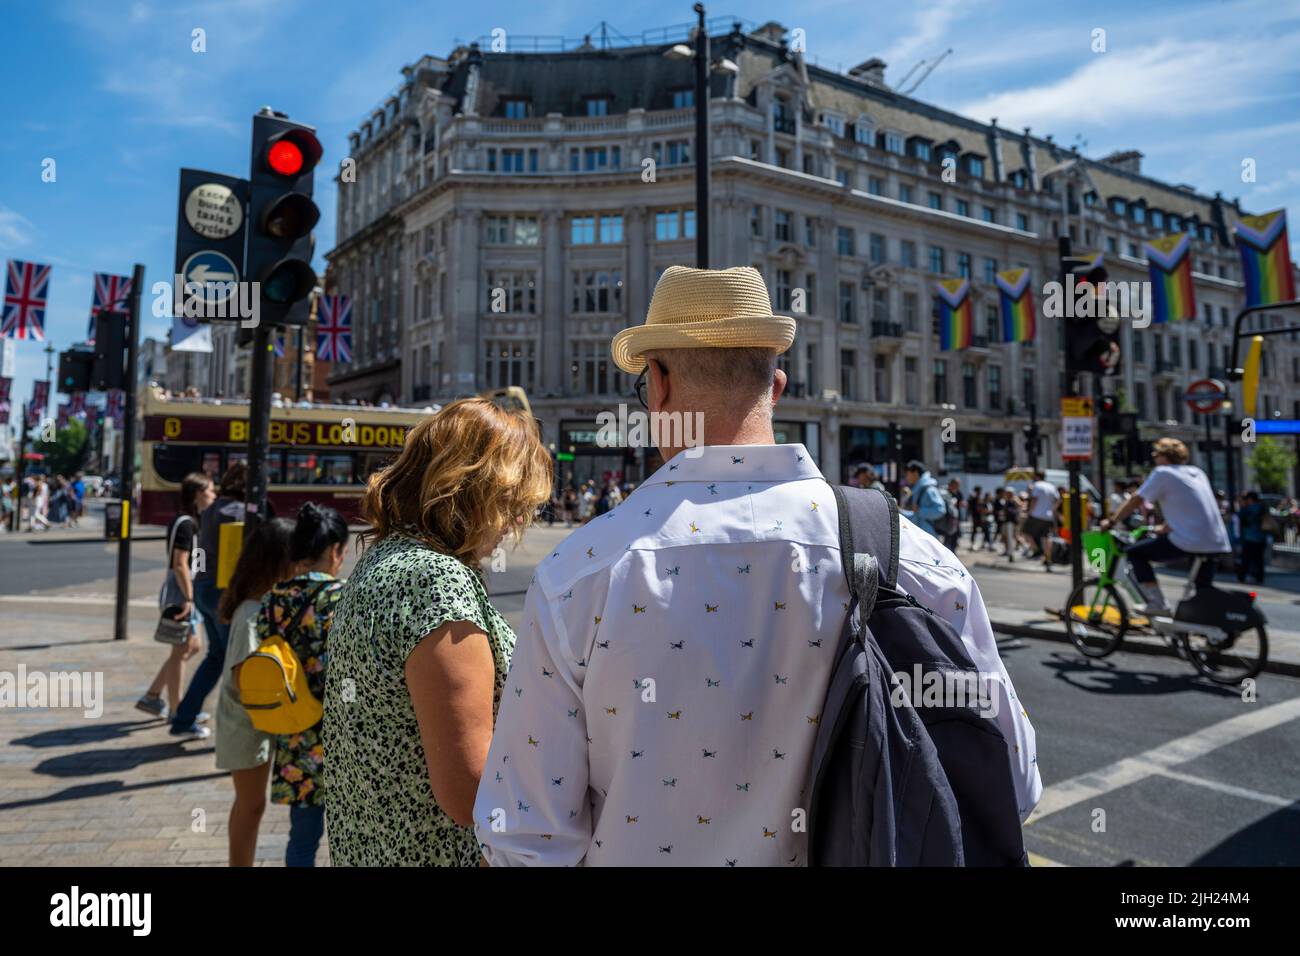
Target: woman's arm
(450, 677)
(181, 565)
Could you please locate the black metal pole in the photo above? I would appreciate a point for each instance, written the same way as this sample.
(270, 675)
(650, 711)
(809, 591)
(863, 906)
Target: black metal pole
(1033, 436)
(297, 383)
(19, 468)
(701, 142)
(1069, 388)
(259, 428)
(127, 492)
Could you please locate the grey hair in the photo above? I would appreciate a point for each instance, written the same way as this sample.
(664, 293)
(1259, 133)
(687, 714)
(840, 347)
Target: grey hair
(742, 374)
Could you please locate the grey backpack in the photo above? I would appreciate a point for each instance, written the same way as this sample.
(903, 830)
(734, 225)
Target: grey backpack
(895, 784)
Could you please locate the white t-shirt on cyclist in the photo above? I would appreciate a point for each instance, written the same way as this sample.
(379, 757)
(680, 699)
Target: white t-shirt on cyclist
(1187, 502)
(1046, 498)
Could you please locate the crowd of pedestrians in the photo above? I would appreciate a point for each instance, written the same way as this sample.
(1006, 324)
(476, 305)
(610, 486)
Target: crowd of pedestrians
(47, 501)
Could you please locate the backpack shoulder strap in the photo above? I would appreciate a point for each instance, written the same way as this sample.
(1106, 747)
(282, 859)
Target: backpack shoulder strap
(868, 526)
(302, 608)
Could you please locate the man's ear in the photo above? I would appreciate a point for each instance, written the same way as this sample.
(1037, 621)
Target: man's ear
(779, 381)
(658, 379)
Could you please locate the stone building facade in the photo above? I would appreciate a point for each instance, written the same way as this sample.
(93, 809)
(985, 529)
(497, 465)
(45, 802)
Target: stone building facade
(507, 213)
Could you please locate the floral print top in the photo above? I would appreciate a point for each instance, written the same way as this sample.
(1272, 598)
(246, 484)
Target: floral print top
(298, 776)
(381, 810)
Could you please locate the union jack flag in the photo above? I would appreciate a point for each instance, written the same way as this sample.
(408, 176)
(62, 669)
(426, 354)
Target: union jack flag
(62, 421)
(26, 292)
(110, 296)
(77, 404)
(40, 401)
(334, 329)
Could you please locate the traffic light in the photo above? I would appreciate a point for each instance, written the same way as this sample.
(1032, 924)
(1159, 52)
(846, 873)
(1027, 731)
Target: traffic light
(1092, 342)
(281, 216)
(74, 371)
(1108, 414)
(110, 347)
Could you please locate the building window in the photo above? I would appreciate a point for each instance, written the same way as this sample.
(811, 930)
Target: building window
(809, 285)
(841, 175)
(877, 248)
(995, 387)
(1139, 347)
(683, 98)
(834, 122)
(880, 379)
(911, 382)
(989, 214)
(510, 362)
(512, 292)
(756, 221)
(880, 304)
(782, 229)
(848, 302)
(582, 230)
(844, 244)
(904, 192)
(907, 253)
(894, 143)
(591, 159)
(993, 323)
(1193, 354)
(975, 166)
(512, 231)
(591, 370)
(963, 264)
(783, 285)
(599, 291)
(814, 374)
(1022, 222)
(1139, 214)
(1111, 247)
(921, 150)
(864, 133)
(969, 393)
(940, 382)
(911, 312)
(596, 105)
(963, 208)
(667, 225)
(611, 229)
(990, 271)
(782, 117)
(516, 107)
(875, 186)
(673, 152)
(810, 232)
(848, 372)
(936, 260)
(935, 200)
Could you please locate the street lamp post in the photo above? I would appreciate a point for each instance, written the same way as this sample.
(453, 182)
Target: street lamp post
(701, 141)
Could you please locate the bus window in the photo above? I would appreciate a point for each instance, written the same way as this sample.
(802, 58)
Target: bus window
(174, 462)
(318, 468)
(212, 463)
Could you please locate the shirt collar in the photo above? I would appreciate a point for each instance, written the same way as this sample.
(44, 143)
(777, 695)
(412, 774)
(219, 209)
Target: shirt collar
(736, 463)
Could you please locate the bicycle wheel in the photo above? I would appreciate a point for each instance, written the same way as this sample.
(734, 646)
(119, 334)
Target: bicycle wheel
(1239, 657)
(1096, 618)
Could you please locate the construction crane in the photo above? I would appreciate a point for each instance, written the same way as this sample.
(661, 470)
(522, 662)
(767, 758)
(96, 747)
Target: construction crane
(924, 73)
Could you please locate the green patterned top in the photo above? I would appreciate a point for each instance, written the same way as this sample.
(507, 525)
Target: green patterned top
(381, 810)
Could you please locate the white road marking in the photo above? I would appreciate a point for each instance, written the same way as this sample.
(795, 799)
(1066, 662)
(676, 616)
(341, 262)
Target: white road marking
(1181, 750)
(1243, 792)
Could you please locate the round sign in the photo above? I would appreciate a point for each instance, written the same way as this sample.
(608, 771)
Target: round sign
(213, 211)
(1206, 396)
(213, 272)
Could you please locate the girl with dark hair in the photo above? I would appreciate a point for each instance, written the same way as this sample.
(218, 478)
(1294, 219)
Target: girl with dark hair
(196, 494)
(187, 719)
(241, 748)
(301, 611)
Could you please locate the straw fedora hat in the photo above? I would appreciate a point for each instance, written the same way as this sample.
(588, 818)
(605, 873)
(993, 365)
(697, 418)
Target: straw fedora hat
(704, 308)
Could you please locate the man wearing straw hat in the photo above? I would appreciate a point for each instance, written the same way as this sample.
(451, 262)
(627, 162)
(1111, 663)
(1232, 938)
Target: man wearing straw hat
(668, 681)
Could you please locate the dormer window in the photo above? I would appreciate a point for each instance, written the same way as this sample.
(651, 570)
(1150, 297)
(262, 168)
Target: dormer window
(1157, 219)
(1139, 214)
(864, 132)
(1118, 206)
(975, 166)
(894, 143)
(516, 107)
(683, 98)
(596, 106)
(1019, 179)
(782, 119)
(833, 122)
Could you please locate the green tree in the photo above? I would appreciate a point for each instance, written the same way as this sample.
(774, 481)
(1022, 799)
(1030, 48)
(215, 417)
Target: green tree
(1270, 463)
(67, 453)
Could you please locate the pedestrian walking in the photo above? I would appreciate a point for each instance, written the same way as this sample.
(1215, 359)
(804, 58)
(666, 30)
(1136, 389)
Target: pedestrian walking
(301, 611)
(952, 503)
(1040, 524)
(926, 504)
(40, 505)
(1009, 521)
(196, 493)
(662, 705)
(418, 639)
(240, 747)
(1254, 519)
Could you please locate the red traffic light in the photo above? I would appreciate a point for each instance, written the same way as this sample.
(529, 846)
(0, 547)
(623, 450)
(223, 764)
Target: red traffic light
(292, 153)
(284, 158)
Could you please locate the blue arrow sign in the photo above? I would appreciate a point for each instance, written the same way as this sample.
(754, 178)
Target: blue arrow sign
(212, 270)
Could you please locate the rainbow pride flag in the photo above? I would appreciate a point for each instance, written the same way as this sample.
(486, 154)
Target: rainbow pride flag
(1018, 322)
(1265, 258)
(1173, 298)
(956, 322)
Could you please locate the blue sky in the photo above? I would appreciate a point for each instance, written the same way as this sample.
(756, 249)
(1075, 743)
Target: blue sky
(111, 90)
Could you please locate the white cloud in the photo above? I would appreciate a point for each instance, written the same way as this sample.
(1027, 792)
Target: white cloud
(15, 230)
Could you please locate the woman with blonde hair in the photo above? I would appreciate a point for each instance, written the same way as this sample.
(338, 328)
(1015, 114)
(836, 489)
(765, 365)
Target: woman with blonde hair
(418, 654)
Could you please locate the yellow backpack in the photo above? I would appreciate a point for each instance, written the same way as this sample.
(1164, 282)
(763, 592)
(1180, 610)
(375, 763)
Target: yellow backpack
(273, 684)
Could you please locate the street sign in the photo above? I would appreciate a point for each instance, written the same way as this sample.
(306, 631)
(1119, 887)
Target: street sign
(214, 272)
(214, 211)
(1077, 426)
(1206, 396)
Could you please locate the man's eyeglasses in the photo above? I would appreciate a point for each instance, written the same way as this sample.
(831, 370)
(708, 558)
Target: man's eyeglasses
(641, 387)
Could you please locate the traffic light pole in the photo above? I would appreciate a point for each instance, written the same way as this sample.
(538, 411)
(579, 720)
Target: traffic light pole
(1234, 374)
(127, 491)
(1070, 389)
(259, 429)
(18, 475)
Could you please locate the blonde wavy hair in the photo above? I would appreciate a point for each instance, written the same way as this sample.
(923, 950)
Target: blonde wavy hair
(1172, 449)
(466, 477)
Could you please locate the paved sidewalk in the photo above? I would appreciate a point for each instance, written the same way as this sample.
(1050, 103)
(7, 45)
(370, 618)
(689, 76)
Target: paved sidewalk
(117, 789)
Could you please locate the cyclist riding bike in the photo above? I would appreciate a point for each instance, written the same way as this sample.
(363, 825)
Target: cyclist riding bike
(1192, 525)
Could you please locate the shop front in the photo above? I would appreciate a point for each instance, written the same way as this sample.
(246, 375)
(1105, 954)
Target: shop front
(869, 445)
(978, 453)
(580, 458)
